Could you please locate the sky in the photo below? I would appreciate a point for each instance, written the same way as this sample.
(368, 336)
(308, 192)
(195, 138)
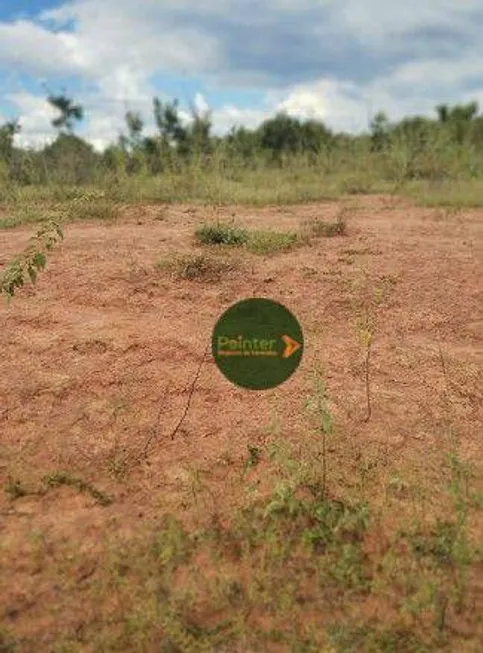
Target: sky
(339, 61)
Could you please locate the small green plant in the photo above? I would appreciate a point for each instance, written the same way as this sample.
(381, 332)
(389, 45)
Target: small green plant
(445, 544)
(15, 489)
(31, 260)
(365, 330)
(271, 242)
(172, 545)
(318, 403)
(365, 306)
(221, 234)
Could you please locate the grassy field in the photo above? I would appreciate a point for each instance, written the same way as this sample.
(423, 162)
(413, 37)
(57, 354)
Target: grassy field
(73, 183)
(341, 512)
(64, 204)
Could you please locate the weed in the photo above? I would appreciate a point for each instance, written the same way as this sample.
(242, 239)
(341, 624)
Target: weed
(15, 489)
(318, 403)
(65, 478)
(91, 206)
(366, 337)
(172, 545)
(260, 242)
(271, 242)
(203, 267)
(373, 638)
(327, 229)
(220, 234)
(441, 544)
(118, 465)
(254, 456)
(23, 214)
(31, 260)
(365, 307)
(7, 641)
(360, 184)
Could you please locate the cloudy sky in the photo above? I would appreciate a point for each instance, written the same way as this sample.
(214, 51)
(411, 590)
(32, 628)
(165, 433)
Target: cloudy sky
(337, 60)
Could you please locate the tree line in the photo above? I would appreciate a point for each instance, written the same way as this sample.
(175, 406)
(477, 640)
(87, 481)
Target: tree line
(175, 143)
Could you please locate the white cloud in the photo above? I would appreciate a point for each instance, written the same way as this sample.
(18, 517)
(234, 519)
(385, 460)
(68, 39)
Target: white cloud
(36, 116)
(107, 41)
(327, 100)
(34, 49)
(338, 61)
(138, 34)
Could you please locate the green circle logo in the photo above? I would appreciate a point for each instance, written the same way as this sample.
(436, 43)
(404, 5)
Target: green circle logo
(257, 344)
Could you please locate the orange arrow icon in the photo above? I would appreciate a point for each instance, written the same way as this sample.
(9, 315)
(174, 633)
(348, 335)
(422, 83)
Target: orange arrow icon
(291, 346)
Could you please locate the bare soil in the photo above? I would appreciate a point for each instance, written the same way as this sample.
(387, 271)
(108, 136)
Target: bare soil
(98, 358)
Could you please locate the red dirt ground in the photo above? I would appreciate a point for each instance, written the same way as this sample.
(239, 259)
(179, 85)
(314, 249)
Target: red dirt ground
(105, 344)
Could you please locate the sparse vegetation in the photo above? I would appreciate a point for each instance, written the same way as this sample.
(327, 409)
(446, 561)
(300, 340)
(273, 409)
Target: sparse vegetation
(281, 561)
(203, 267)
(220, 234)
(7, 642)
(262, 242)
(31, 261)
(270, 242)
(16, 489)
(285, 160)
(313, 542)
(327, 229)
(65, 478)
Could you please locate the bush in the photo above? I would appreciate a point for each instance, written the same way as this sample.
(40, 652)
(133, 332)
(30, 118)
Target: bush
(219, 234)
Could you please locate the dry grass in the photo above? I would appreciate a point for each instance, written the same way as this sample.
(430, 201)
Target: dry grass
(202, 267)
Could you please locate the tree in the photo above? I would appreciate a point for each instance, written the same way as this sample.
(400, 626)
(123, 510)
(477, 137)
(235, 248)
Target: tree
(198, 134)
(7, 135)
(463, 112)
(458, 119)
(69, 112)
(414, 131)
(476, 132)
(315, 136)
(135, 126)
(284, 134)
(166, 117)
(379, 132)
(243, 142)
(280, 134)
(132, 144)
(70, 159)
(443, 112)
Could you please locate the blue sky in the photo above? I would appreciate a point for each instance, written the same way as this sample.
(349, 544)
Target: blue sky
(336, 60)
(14, 9)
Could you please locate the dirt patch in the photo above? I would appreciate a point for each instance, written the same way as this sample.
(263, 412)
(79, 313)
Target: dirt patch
(98, 358)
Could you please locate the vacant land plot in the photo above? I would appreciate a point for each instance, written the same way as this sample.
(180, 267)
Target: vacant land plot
(339, 512)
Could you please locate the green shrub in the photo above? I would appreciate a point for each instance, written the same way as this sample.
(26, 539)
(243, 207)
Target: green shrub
(219, 234)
